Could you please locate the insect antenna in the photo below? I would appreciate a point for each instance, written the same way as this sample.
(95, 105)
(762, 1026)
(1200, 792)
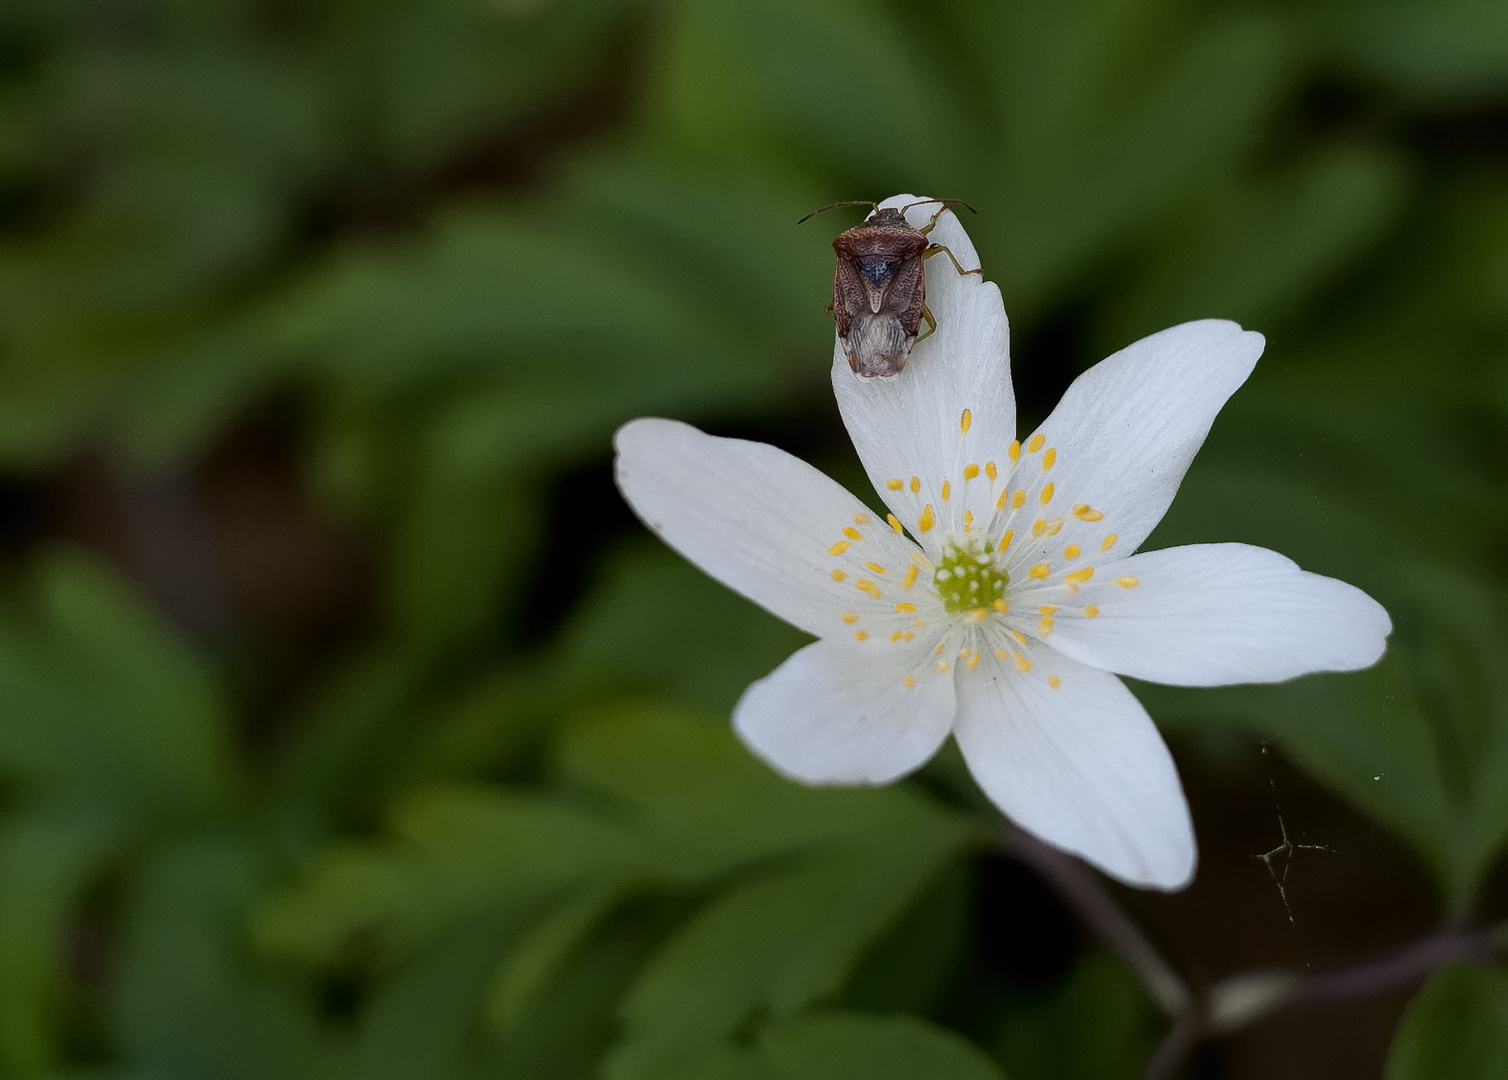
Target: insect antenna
(834, 206)
(939, 202)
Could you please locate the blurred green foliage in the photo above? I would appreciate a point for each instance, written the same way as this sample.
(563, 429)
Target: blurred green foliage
(469, 238)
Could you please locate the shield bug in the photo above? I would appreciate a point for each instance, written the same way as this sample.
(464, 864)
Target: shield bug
(880, 285)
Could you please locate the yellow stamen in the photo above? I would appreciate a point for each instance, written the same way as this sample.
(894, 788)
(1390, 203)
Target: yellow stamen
(850, 616)
(1015, 450)
(852, 533)
(968, 520)
(1041, 570)
(1054, 526)
(1039, 526)
(1002, 655)
(839, 575)
(864, 585)
(1047, 490)
(991, 471)
(1005, 541)
(839, 548)
(918, 623)
(1128, 581)
(1000, 502)
(861, 519)
(1002, 607)
(1045, 626)
(910, 680)
(905, 609)
(861, 635)
(1049, 457)
(1036, 443)
(1071, 551)
(973, 660)
(1084, 512)
(927, 520)
(1018, 500)
(970, 471)
(895, 522)
(907, 635)
(916, 484)
(1054, 682)
(874, 567)
(947, 490)
(920, 560)
(1022, 663)
(1109, 541)
(897, 635)
(965, 420)
(896, 484)
(1047, 609)
(1091, 611)
(910, 578)
(1078, 577)
(977, 615)
(1019, 636)
(942, 665)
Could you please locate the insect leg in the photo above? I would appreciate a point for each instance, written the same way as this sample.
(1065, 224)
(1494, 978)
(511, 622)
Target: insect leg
(931, 325)
(829, 309)
(938, 248)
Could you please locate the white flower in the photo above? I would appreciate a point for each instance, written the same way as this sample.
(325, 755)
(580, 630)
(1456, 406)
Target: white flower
(1007, 612)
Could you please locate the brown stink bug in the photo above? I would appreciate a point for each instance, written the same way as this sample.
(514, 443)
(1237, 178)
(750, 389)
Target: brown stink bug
(880, 286)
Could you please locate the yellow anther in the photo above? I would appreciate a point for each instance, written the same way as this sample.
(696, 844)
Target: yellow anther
(1019, 636)
(1005, 541)
(947, 490)
(1050, 457)
(910, 680)
(862, 519)
(1054, 526)
(916, 484)
(1078, 577)
(1000, 655)
(895, 522)
(1084, 512)
(1039, 526)
(850, 616)
(1041, 570)
(907, 635)
(1071, 551)
(910, 578)
(1047, 490)
(1000, 502)
(1036, 443)
(964, 421)
(970, 471)
(1022, 663)
(1128, 581)
(861, 635)
(977, 614)
(1054, 682)
(1002, 607)
(943, 665)
(874, 567)
(921, 560)
(1018, 500)
(1091, 611)
(905, 609)
(1015, 450)
(919, 623)
(968, 519)
(991, 471)
(1047, 609)
(895, 484)
(973, 660)
(928, 519)
(897, 635)
(839, 548)
(864, 585)
(839, 575)
(1109, 541)
(1045, 626)
(852, 533)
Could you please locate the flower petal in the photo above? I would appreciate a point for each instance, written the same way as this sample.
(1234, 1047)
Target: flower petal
(773, 528)
(836, 713)
(1109, 459)
(913, 424)
(1214, 614)
(1078, 764)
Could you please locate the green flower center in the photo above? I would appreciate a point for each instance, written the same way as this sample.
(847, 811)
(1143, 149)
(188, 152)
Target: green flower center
(967, 578)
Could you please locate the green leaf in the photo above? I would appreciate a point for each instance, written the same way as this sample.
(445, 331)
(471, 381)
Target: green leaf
(835, 1046)
(1455, 1029)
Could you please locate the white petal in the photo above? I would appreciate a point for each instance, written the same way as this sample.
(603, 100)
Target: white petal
(1214, 614)
(836, 713)
(771, 527)
(912, 424)
(1079, 765)
(1124, 435)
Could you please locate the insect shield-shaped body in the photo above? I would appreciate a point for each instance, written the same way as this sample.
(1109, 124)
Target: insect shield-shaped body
(880, 287)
